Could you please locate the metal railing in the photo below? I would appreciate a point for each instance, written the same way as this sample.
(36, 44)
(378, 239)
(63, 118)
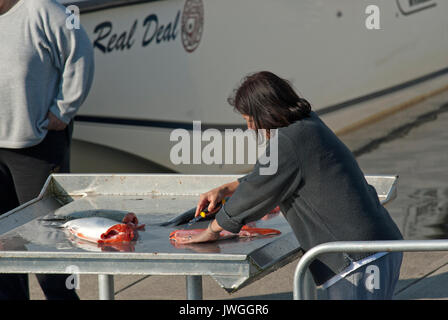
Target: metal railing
(359, 246)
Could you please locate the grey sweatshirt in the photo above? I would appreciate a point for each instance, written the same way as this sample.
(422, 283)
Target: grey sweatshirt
(44, 66)
(321, 191)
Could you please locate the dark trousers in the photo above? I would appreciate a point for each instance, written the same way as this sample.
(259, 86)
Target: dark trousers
(23, 173)
(358, 286)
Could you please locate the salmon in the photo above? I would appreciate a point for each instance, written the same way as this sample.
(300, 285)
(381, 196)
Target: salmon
(245, 232)
(188, 217)
(99, 247)
(104, 230)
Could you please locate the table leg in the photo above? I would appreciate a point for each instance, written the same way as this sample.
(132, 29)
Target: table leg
(106, 287)
(194, 287)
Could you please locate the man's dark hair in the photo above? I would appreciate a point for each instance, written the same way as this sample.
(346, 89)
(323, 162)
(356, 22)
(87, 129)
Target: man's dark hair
(269, 100)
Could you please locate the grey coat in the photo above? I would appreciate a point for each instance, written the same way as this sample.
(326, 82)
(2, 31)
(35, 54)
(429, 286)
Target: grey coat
(321, 191)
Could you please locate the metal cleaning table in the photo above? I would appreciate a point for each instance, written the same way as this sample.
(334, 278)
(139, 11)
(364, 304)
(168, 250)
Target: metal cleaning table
(31, 242)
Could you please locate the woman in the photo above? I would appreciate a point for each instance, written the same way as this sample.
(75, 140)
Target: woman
(319, 187)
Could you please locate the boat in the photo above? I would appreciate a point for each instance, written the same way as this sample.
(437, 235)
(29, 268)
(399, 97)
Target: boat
(160, 65)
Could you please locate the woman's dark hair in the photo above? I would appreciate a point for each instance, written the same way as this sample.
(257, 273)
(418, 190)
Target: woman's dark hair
(269, 100)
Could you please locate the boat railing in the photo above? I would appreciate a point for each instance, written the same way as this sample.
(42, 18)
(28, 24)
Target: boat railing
(300, 276)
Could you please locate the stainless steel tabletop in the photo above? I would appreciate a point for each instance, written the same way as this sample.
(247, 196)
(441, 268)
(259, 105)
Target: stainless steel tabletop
(32, 241)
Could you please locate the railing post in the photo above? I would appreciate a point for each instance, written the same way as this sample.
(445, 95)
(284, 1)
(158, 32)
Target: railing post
(359, 246)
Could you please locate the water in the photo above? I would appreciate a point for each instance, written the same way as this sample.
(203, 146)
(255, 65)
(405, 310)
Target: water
(418, 153)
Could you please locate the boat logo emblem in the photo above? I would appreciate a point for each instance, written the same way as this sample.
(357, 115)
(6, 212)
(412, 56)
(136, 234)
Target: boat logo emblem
(192, 24)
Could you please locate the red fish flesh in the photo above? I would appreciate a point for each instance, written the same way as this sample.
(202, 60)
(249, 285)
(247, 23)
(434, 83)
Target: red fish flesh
(104, 230)
(245, 232)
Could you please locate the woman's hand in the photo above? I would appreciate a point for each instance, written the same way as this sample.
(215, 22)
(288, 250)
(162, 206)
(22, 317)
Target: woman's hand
(213, 197)
(209, 199)
(210, 234)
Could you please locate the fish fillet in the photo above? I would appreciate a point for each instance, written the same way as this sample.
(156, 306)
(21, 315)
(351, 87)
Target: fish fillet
(245, 232)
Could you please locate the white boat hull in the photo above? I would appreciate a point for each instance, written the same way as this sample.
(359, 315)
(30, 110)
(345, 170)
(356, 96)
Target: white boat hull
(151, 80)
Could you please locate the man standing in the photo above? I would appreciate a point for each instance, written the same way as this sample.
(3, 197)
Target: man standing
(46, 71)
